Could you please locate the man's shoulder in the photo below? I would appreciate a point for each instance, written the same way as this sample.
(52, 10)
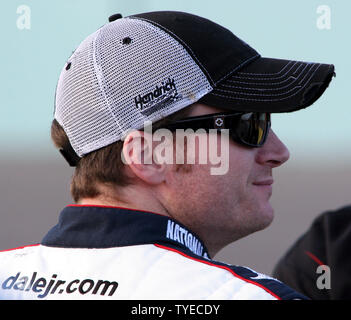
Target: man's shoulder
(18, 250)
(237, 282)
(19, 255)
(153, 271)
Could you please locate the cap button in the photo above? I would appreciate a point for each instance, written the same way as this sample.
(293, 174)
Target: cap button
(114, 17)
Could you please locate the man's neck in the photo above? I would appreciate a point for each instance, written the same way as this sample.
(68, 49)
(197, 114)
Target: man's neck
(132, 199)
(140, 200)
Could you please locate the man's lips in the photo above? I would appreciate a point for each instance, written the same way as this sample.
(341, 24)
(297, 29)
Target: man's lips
(267, 182)
(264, 185)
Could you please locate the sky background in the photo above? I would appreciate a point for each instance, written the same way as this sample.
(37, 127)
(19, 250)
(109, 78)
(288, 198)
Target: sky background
(31, 61)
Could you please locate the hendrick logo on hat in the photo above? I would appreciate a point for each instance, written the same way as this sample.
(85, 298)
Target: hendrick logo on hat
(158, 98)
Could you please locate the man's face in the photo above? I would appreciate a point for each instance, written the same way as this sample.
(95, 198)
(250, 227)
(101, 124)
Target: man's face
(224, 208)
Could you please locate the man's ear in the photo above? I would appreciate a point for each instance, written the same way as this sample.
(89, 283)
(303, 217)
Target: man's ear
(137, 153)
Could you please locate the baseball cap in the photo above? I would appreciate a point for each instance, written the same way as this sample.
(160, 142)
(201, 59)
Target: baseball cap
(147, 66)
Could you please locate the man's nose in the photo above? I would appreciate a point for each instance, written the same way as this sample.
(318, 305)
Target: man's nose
(273, 153)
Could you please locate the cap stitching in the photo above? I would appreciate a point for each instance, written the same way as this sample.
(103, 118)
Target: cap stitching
(100, 77)
(247, 99)
(237, 67)
(256, 83)
(257, 94)
(282, 76)
(266, 74)
(267, 83)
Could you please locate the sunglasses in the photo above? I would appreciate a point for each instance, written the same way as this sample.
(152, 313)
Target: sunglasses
(249, 129)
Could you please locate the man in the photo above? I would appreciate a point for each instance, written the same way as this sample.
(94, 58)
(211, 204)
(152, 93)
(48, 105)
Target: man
(142, 227)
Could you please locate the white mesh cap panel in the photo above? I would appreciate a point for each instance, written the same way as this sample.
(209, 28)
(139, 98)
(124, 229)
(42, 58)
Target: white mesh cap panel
(127, 72)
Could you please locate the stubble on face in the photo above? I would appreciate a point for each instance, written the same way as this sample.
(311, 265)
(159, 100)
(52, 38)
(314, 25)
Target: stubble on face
(221, 209)
(224, 208)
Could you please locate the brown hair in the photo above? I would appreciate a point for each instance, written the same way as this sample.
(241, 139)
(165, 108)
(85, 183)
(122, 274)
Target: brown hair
(103, 166)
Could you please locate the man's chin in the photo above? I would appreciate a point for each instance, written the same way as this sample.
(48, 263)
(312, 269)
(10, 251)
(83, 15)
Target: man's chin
(265, 211)
(265, 216)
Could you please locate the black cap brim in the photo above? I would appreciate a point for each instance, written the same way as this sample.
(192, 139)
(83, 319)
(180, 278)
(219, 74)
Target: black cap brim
(271, 85)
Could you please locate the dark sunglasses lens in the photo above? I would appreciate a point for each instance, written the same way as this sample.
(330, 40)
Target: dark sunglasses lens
(252, 128)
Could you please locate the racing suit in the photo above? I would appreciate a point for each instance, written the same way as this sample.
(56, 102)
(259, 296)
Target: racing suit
(100, 252)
